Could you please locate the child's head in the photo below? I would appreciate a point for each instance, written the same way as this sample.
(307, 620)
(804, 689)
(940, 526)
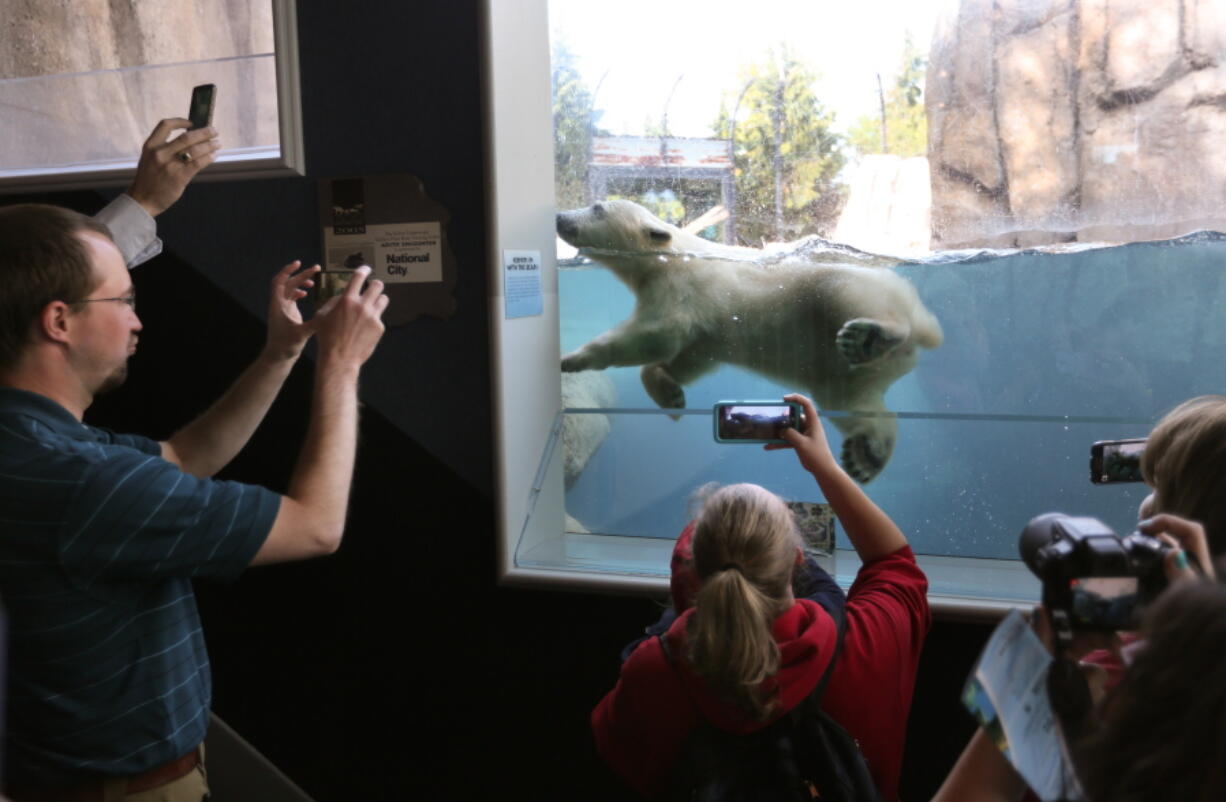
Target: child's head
(745, 550)
(748, 529)
(1185, 463)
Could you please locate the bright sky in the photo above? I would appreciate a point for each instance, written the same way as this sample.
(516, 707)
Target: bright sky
(642, 47)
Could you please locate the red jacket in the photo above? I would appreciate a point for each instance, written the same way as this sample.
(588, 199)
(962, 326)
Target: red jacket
(642, 724)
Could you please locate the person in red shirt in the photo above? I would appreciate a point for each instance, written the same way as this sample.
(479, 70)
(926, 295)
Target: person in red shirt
(743, 650)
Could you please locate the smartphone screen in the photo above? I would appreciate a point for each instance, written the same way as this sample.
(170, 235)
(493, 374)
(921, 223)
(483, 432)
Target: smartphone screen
(1116, 461)
(201, 111)
(754, 422)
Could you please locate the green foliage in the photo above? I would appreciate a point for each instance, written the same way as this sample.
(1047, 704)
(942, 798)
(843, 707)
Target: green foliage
(784, 139)
(574, 125)
(664, 205)
(906, 123)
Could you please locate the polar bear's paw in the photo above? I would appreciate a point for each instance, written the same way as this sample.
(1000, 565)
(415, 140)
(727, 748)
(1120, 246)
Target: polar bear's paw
(576, 361)
(662, 387)
(863, 340)
(864, 456)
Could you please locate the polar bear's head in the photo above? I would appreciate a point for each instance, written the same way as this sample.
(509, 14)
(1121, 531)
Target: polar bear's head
(616, 225)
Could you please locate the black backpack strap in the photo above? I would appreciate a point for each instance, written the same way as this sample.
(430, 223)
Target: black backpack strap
(840, 623)
(843, 774)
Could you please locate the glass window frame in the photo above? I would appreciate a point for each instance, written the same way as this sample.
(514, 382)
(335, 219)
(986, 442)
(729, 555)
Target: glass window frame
(526, 380)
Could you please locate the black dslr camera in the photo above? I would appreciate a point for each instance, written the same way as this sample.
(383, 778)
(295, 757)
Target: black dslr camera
(1093, 579)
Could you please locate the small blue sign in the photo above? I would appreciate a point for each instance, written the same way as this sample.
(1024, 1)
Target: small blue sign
(522, 285)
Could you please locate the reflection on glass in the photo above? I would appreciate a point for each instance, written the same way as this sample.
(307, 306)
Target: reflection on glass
(1035, 174)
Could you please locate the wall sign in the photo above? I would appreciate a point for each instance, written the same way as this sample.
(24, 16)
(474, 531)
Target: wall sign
(521, 272)
(391, 224)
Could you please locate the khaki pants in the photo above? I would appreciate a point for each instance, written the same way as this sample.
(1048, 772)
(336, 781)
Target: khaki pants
(191, 787)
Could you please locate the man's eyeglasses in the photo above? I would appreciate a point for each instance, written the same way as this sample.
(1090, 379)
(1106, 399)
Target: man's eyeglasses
(129, 299)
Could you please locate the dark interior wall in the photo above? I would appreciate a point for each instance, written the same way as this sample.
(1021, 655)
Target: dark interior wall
(386, 87)
(397, 669)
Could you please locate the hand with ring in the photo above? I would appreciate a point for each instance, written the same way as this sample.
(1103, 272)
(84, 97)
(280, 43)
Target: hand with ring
(167, 165)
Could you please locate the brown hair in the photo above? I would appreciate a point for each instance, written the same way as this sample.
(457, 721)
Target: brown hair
(42, 259)
(745, 545)
(1162, 733)
(1185, 463)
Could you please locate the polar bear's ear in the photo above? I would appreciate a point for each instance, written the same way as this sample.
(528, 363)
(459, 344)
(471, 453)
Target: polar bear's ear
(658, 236)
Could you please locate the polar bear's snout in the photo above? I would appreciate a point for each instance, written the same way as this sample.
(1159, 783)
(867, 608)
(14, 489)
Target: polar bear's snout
(568, 228)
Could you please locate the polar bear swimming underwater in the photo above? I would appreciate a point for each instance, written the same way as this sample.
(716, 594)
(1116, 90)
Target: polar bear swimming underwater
(844, 333)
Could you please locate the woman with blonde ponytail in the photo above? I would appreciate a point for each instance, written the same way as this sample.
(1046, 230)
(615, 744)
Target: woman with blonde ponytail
(745, 545)
(753, 630)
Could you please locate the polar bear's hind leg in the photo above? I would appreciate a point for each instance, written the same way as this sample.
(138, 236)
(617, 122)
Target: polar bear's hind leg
(863, 340)
(863, 457)
(868, 443)
(661, 387)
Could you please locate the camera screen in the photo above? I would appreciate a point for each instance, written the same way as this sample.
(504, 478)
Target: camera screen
(1105, 604)
(753, 421)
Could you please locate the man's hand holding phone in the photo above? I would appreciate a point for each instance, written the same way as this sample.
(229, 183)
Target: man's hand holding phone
(162, 172)
(348, 326)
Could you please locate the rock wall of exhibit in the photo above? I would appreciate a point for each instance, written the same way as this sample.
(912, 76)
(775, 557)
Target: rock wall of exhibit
(1077, 120)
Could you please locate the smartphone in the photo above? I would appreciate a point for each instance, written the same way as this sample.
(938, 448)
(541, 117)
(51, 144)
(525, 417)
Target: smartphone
(201, 111)
(754, 421)
(1116, 460)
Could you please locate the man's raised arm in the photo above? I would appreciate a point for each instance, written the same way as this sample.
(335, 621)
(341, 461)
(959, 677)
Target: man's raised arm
(165, 168)
(312, 515)
(208, 443)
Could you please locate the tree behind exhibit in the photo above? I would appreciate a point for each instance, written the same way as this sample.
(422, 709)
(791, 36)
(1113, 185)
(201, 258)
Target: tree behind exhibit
(785, 152)
(905, 125)
(574, 125)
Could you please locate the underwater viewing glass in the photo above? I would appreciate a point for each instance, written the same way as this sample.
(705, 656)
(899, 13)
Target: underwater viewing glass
(846, 203)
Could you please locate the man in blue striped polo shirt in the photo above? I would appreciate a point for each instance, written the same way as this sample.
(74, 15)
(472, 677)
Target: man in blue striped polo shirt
(101, 533)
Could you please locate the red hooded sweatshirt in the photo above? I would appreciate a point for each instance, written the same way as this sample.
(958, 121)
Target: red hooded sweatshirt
(642, 724)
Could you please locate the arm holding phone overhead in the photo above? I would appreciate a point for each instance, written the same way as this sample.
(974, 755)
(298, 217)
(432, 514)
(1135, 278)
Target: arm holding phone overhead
(167, 165)
(162, 173)
(872, 533)
(161, 176)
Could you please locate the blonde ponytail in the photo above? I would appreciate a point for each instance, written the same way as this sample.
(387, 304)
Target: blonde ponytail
(744, 552)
